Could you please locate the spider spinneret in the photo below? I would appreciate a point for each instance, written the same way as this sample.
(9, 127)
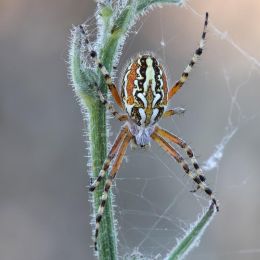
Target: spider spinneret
(144, 97)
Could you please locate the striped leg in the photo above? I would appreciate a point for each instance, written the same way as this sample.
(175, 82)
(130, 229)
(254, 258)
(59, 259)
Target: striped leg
(110, 157)
(194, 59)
(108, 183)
(104, 72)
(108, 79)
(175, 111)
(169, 149)
(110, 107)
(175, 139)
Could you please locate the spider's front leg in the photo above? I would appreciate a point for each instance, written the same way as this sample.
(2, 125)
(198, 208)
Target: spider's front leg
(194, 59)
(108, 183)
(111, 86)
(110, 107)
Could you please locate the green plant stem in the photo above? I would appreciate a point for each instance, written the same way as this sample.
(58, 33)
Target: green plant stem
(191, 238)
(107, 246)
(97, 131)
(107, 233)
(83, 83)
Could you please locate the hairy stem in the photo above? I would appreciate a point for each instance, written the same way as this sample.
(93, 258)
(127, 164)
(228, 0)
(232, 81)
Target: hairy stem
(97, 130)
(83, 82)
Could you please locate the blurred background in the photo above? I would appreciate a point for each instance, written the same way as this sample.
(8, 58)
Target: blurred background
(44, 205)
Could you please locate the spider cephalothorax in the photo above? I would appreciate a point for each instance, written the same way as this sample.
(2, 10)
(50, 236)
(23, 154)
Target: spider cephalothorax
(144, 97)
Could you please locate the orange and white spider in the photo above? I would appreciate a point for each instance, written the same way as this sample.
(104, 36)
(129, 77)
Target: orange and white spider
(144, 97)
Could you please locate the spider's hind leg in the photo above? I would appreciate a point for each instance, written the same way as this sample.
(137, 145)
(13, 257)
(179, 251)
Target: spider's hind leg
(198, 179)
(108, 183)
(109, 158)
(175, 139)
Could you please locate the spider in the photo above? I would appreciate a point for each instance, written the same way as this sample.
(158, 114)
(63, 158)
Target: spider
(144, 97)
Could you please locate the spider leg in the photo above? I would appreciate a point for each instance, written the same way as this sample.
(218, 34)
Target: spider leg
(194, 59)
(110, 107)
(169, 149)
(108, 79)
(110, 157)
(175, 111)
(175, 139)
(108, 183)
(111, 86)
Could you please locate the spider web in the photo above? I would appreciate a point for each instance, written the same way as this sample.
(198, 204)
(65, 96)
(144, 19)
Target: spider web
(153, 204)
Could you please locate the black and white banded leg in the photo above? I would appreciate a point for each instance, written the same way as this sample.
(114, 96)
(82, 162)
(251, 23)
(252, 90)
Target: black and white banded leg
(105, 73)
(108, 183)
(169, 149)
(110, 107)
(119, 139)
(194, 59)
(175, 139)
(108, 79)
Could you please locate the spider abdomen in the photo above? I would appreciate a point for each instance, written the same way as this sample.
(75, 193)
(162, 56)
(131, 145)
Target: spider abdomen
(144, 90)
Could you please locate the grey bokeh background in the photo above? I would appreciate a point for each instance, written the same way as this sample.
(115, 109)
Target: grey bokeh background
(44, 208)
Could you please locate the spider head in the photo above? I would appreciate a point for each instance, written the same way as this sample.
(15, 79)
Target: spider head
(144, 90)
